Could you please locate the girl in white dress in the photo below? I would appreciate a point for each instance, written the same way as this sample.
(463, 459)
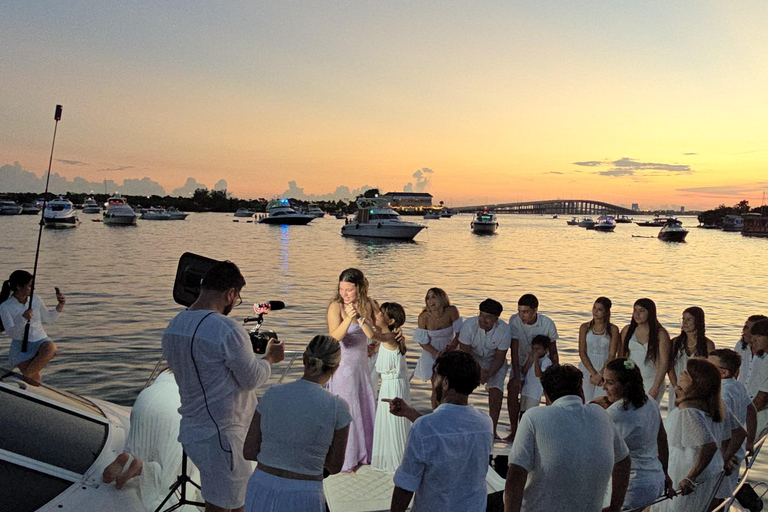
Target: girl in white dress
(438, 331)
(390, 432)
(692, 342)
(598, 344)
(646, 342)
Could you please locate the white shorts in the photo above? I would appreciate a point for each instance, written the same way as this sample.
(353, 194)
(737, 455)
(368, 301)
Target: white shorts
(496, 381)
(528, 402)
(223, 474)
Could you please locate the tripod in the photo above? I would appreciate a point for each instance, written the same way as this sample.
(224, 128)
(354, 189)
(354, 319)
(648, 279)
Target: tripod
(181, 483)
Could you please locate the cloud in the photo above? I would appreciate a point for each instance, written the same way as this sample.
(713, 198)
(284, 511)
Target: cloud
(631, 167)
(422, 180)
(738, 189)
(116, 168)
(690, 154)
(590, 163)
(617, 172)
(342, 193)
(71, 162)
(554, 172)
(220, 185)
(634, 164)
(188, 188)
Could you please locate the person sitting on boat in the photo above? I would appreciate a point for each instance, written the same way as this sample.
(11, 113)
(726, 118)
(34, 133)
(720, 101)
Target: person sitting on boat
(524, 325)
(566, 452)
(217, 372)
(487, 338)
(744, 350)
(439, 327)
(14, 316)
(455, 435)
(298, 431)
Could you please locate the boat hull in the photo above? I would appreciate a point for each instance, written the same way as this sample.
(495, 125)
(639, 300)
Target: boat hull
(60, 222)
(297, 220)
(675, 236)
(119, 220)
(405, 231)
(604, 229)
(484, 228)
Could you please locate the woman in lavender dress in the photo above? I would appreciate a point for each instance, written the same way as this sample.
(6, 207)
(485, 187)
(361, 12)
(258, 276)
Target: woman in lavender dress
(351, 320)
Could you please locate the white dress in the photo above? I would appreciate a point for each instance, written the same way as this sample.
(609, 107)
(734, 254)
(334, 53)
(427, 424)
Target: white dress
(680, 366)
(437, 339)
(597, 351)
(637, 353)
(390, 432)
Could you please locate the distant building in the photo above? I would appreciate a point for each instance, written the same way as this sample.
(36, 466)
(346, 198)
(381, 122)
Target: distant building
(635, 207)
(409, 199)
(682, 209)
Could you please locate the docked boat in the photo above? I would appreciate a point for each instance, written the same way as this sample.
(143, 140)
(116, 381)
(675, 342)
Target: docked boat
(176, 214)
(60, 213)
(30, 209)
(434, 215)
(484, 223)
(91, 206)
(445, 213)
(341, 215)
(673, 231)
(755, 225)
(605, 224)
(315, 211)
(587, 222)
(279, 211)
(9, 208)
(657, 222)
(573, 222)
(376, 219)
(245, 212)
(119, 213)
(733, 223)
(623, 219)
(155, 214)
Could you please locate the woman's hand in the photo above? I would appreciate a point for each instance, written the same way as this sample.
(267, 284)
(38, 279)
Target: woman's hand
(654, 393)
(596, 379)
(28, 314)
(669, 487)
(351, 312)
(62, 300)
(686, 486)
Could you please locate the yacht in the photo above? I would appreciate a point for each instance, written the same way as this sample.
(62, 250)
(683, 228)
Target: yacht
(376, 219)
(587, 222)
(605, 223)
(432, 215)
(279, 211)
(30, 209)
(733, 223)
(60, 213)
(657, 222)
(315, 211)
(623, 219)
(91, 206)
(176, 214)
(118, 213)
(244, 212)
(673, 231)
(155, 214)
(573, 222)
(484, 223)
(9, 208)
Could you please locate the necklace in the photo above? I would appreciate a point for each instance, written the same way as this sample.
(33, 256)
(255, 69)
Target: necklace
(594, 331)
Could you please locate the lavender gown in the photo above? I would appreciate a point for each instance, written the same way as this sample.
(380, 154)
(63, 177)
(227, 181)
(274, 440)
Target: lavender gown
(352, 382)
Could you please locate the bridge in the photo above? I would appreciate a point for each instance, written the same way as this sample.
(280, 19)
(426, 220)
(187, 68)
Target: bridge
(553, 206)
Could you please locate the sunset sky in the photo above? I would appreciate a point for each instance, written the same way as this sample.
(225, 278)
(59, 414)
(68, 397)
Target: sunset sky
(656, 102)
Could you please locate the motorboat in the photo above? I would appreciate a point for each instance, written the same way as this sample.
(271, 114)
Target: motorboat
(434, 215)
(445, 213)
(155, 214)
(587, 222)
(279, 211)
(376, 219)
(315, 211)
(573, 222)
(657, 222)
(119, 213)
(91, 206)
(673, 231)
(30, 209)
(554, 216)
(341, 215)
(733, 223)
(605, 224)
(9, 208)
(245, 212)
(484, 223)
(623, 219)
(176, 214)
(60, 213)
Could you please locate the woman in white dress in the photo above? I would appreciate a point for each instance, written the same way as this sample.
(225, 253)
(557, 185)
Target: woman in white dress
(390, 432)
(692, 342)
(438, 331)
(598, 344)
(646, 342)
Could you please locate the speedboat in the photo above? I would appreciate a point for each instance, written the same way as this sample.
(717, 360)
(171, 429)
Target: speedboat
(176, 214)
(733, 223)
(315, 211)
(657, 222)
(91, 206)
(244, 212)
(155, 214)
(484, 223)
(587, 222)
(341, 215)
(605, 223)
(60, 213)
(446, 213)
(376, 219)
(432, 215)
(9, 208)
(673, 231)
(623, 219)
(118, 213)
(30, 209)
(573, 222)
(279, 211)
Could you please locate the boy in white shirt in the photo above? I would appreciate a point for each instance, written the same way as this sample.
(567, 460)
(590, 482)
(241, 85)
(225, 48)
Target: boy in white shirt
(532, 370)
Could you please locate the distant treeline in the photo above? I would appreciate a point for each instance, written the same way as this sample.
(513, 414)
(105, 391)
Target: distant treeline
(203, 200)
(715, 216)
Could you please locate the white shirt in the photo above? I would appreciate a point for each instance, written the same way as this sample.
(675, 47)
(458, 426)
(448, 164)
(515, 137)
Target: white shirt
(746, 361)
(758, 381)
(569, 450)
(524, 333)
(737, 401)
(640, 429)
(11, 312)
(532, 386)
(446, 460)
(485, 344)
(228, 369)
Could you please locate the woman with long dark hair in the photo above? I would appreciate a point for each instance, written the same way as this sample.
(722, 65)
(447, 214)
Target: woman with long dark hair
(598, 344)
(647, 343)
(691, 342)
(15, 313)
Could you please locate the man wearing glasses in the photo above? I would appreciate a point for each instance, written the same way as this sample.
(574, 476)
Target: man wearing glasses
(217, 372)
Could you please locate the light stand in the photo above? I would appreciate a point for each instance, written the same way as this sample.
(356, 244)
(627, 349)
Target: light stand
(180, 483)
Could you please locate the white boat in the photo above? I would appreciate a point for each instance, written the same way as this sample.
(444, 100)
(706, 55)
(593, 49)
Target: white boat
(30, 209)
(376, 219)
(155, 214)
(176, 214)
(118, 213)
(432, 215)
(91, 206)
(623, 219)
(315, 211)
(673, 231)
(587, 222)
(484, 223)
(279, 211)
(605, 223)
(60, 213)
(9, 208)
(244, 212)
(733, 223)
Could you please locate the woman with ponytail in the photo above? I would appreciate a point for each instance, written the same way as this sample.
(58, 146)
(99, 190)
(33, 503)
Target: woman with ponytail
(298, 432)
(14, 315)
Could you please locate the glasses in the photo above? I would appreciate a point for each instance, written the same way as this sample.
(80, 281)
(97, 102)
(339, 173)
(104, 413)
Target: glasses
(239, 300)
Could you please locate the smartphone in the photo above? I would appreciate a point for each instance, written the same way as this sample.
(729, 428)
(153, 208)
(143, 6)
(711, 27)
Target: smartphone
(58, 292)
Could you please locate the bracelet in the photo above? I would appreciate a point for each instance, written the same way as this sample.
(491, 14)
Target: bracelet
(689, 480)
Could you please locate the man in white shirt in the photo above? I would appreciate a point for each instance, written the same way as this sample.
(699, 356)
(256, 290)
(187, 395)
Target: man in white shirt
(487, 338)
(757, 383)
(446, 458)
(525, 325)
(742, 348)
(566, 452)
(217, 372)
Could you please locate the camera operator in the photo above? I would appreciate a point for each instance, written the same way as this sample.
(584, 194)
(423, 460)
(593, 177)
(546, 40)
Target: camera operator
(217, 372)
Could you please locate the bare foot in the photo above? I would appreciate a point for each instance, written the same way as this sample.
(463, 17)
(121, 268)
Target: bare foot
(115, 468)
(133, 470)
